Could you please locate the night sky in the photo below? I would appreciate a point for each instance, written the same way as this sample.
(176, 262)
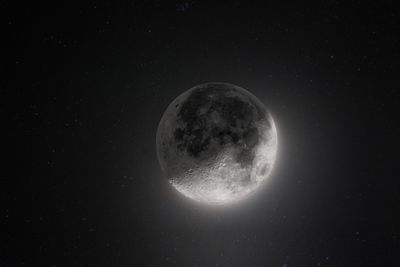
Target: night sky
(84, 86)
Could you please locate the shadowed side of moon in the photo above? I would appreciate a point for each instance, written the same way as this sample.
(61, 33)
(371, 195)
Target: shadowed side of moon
(216, 143)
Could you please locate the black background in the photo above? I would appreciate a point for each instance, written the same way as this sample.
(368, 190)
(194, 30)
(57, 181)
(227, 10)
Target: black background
(85, 86)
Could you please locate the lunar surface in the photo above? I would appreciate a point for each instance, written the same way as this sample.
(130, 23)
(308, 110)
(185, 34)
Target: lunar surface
(216, 143)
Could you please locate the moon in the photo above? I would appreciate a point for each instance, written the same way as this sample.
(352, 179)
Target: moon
(216, 143)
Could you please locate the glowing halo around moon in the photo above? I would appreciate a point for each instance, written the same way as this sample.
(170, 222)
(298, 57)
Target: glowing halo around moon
(216, 143)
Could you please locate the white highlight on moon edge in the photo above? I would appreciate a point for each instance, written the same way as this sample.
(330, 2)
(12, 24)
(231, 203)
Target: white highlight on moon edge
(223, 180)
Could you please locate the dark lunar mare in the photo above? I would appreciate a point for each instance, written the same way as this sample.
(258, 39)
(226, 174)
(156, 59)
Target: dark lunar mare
(218, 113)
